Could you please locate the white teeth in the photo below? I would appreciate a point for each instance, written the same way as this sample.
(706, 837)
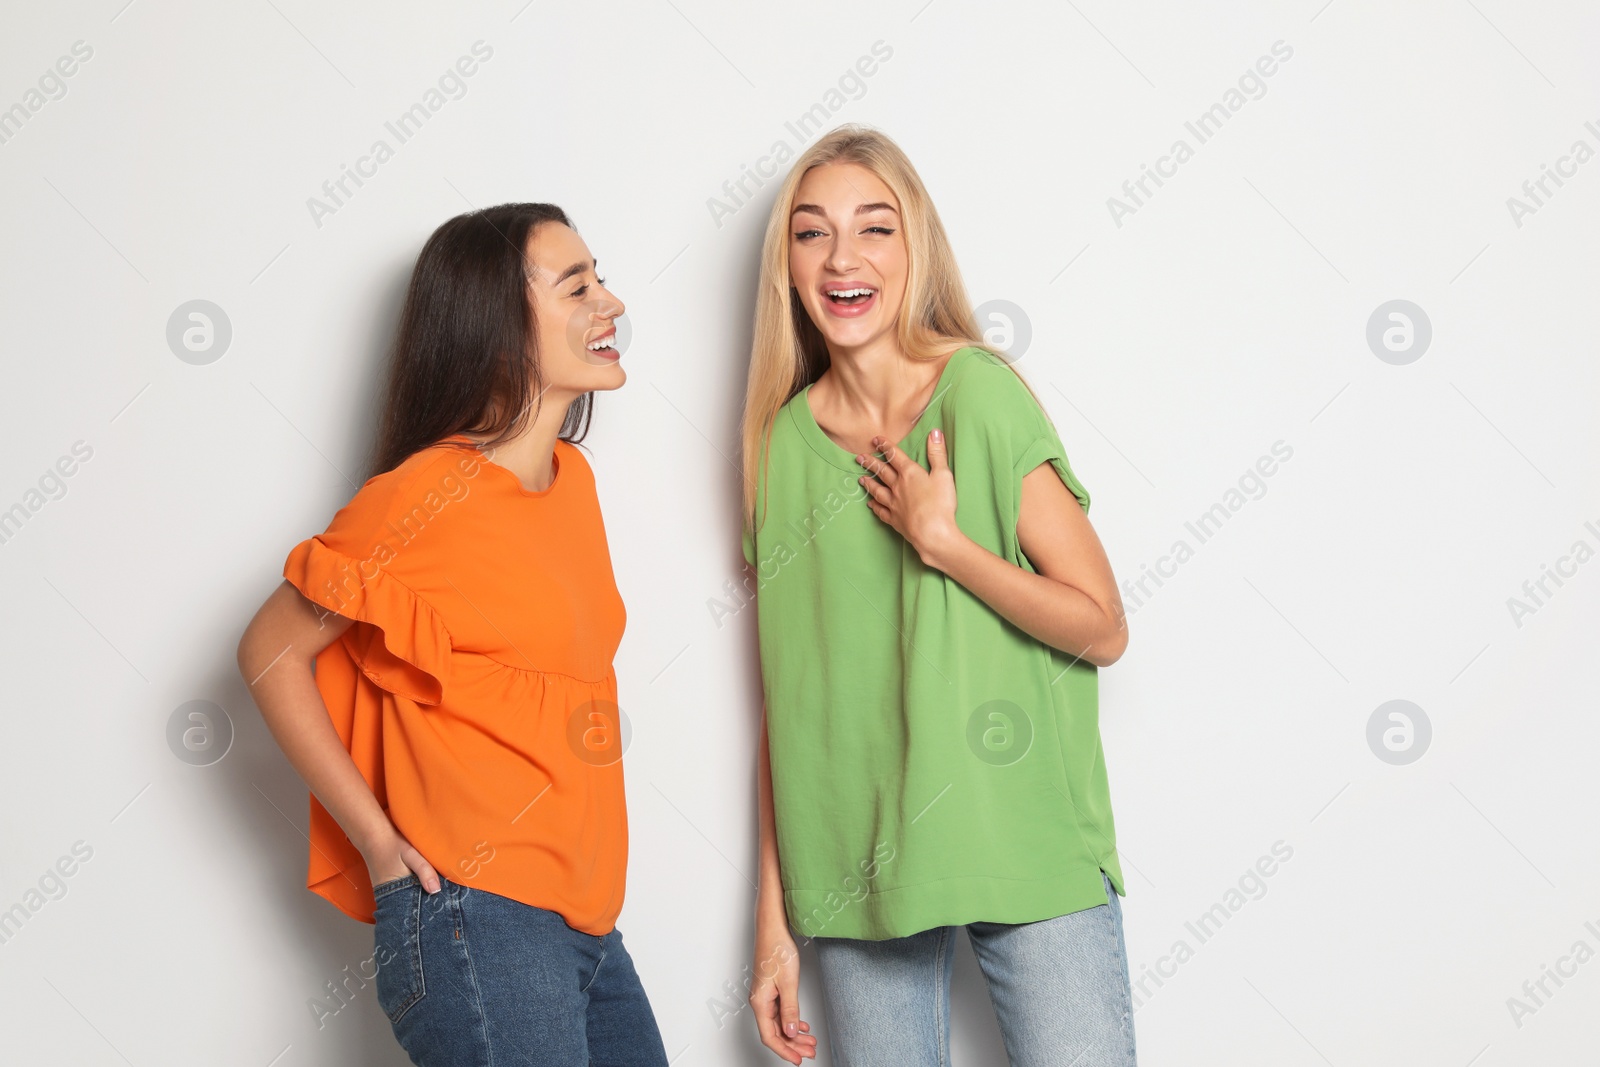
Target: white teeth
(608, 342)
(840, 294)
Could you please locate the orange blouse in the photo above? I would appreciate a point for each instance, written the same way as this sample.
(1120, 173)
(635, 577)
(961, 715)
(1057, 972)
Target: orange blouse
(475, 690)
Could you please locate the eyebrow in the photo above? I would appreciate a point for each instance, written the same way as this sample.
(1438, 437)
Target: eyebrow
(576, 268)
(862, 210)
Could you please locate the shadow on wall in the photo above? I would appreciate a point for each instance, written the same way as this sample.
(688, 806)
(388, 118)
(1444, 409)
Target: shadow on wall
(734, 370)
(270, 802)
(388, 299)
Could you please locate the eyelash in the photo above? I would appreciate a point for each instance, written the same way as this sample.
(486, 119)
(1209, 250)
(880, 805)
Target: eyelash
(580, 290)
(885, 230)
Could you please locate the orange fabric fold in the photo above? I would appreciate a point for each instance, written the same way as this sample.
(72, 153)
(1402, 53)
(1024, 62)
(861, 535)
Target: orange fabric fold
(399, 642)
(475, 690)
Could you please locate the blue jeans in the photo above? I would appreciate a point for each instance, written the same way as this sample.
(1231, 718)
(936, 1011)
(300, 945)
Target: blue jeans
(1059, 986)
(469, 978)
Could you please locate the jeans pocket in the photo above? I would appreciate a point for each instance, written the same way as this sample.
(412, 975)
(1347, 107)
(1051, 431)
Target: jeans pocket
(392, 884)
(397, 946)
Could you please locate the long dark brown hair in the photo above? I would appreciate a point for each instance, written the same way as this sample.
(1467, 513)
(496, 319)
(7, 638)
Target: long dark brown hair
(465, 358)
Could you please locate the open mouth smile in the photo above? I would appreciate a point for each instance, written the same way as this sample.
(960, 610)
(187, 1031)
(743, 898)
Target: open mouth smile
(848, 300)
(605, 345)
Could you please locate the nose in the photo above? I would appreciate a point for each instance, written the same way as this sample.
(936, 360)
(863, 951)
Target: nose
(842, 257)
(610, 307)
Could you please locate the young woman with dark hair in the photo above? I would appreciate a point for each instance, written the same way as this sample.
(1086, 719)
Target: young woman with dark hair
(437, 665)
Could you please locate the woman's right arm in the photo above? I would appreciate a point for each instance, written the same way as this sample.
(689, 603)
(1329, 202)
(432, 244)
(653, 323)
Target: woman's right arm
(276, 656)
(775, 990)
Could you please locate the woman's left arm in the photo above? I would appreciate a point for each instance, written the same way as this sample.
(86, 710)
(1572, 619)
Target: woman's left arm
(1072, 602)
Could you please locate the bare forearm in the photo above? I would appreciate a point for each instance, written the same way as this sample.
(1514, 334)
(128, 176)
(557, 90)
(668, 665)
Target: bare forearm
(275, 659)
(295, 714)
(1051, 611)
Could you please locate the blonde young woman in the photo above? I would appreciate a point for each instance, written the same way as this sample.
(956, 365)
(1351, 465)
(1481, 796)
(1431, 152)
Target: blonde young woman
(933, 609)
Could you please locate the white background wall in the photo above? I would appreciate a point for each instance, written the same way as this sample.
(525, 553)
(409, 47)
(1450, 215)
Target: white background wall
(1229, 312)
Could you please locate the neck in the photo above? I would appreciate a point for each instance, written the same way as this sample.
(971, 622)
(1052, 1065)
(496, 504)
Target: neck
(529, 454)
(878, 378)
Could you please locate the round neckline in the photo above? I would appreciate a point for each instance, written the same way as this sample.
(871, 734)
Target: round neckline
(516, 482)
(838, 455)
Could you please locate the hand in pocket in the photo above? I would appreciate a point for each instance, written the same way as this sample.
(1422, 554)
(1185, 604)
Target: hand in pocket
(395, 858)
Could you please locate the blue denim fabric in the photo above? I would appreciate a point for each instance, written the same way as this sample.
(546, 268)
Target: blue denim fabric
(1060, 991)
(473, 979)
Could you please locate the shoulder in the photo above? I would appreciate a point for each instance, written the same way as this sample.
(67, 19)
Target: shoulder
(439, 469)
(427, 480)
(785, 431)
(790, 406)
(985, 387)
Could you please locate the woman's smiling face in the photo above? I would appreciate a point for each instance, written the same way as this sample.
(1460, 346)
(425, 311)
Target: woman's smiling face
(847, 254)
(575, 314)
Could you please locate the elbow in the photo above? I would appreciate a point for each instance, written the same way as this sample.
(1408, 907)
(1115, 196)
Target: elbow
(253, 655)
(244, 655)
(1115, 644)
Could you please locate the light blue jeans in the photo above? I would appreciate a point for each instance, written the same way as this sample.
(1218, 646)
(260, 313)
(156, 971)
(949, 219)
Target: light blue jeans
(1059, 986)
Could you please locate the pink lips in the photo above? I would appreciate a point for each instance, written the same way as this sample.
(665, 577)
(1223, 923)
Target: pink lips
(847, 311)
(603, 353)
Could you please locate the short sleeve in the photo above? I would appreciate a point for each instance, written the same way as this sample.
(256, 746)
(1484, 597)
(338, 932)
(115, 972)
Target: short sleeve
(399, 640)
(1020, 431)
(1047, 448)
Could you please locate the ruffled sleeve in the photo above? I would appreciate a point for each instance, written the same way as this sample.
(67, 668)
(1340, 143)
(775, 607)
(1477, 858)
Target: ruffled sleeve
(374, 564)
(399, 640)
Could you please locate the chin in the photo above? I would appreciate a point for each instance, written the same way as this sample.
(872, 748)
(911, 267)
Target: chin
(852, 335)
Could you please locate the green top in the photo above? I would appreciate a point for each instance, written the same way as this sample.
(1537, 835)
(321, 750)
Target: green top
(932, 765)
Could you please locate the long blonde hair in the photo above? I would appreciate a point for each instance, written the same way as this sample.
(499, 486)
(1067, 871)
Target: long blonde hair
(787, 351)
